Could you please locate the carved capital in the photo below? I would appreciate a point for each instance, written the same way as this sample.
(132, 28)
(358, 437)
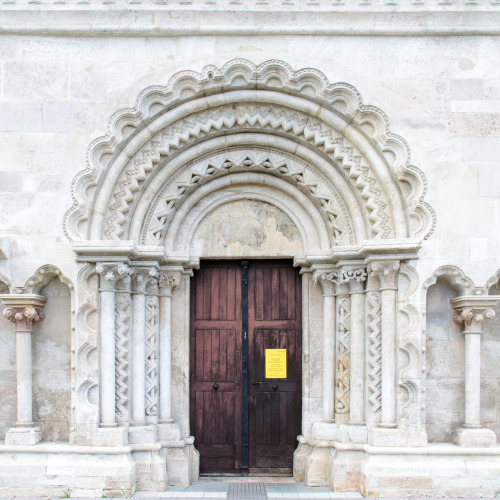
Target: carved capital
(328, 279)
(140, 277)
(355, 277)
(473, 311)
(24, 316)
(386, 272)
(111, 272)
(168, 281)
(472, 318)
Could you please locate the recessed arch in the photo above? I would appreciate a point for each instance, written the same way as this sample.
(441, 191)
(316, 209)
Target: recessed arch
(348, 144)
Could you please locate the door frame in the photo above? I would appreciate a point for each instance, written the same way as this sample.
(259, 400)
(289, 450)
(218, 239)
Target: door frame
(244, 447)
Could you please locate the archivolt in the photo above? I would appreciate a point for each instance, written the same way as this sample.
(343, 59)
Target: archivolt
(314, 135)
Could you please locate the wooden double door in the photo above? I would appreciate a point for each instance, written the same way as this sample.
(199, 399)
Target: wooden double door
(244, 417)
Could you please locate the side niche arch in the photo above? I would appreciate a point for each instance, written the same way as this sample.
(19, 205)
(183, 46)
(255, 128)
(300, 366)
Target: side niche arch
(290, 132)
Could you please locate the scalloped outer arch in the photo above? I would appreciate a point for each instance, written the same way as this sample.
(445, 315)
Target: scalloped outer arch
(375, 162)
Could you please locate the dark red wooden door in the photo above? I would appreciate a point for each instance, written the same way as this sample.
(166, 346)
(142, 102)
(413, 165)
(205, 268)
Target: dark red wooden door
(275, 322)
(216, 366)
(274, 405)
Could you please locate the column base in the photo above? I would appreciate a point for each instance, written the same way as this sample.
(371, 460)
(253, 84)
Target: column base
(110, 436)
(475, 438)
(384, 436)
(138, 434)
(23, 436)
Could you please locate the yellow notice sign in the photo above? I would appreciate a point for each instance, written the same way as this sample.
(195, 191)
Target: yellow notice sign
(275, 363)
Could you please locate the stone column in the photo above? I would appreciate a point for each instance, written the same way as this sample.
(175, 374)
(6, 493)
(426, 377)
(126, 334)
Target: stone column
(387, 273)
(356, 278)
(109, 273)
(139, 280)
(24, 311)
(328, 280)
(472, 312)
(169, 279)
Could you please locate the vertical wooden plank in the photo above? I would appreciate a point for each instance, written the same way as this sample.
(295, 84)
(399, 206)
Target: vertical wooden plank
(206, 297)
(275, 293)
(214, 294)
(283, 417)
(292, 293)
(215, 355)
(223, 294)
(256, 283)
(198, 366)
(223, 351)
(283, 295)
(267, 298)
(275, 418)
(231, 294)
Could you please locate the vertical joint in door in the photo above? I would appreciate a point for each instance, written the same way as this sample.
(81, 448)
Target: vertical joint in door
(244, 371)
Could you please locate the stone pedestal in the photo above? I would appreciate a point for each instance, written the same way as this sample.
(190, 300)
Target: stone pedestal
(475, 438)
(23, 436)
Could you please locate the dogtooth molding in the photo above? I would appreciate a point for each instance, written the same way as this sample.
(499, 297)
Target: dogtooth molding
(311, 127)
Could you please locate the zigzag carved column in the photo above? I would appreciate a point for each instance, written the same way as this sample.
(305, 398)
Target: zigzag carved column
(109, 273)
(139, 282)
(169, 279)
(472, 312)
(24, 311)
(328, 280)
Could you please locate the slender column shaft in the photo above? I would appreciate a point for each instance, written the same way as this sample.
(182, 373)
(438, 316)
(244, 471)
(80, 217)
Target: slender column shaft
(166, 358)
(388, 299)
(167, 282)
(24, 379)
(107, 336)
(357, 358)
(472, 380)
(329, 357)
(139, 358)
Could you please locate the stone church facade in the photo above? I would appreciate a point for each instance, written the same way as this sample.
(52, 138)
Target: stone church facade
(143, 142)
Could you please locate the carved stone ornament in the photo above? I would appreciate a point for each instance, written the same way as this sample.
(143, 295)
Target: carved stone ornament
(24, 310)
(169, 280)
(328, 281)
(110, 272)
(276, 116)
(472, 319)
(387, 273)
(473, 311)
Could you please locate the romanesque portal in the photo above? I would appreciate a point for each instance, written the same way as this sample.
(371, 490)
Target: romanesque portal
(251, 163)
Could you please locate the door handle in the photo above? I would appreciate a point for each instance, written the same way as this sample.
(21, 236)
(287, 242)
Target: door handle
(215, 386)
(274, 387)
(254, 382)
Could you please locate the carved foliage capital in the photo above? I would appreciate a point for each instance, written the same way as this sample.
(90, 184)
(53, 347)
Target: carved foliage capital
(169, 280)
(140, 277)
(386, 272)
(354, 277)
(24, 316)
(111, 272)
(472, 318)
(327, 279)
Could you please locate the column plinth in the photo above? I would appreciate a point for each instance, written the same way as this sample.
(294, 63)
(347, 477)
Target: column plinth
(24, 311)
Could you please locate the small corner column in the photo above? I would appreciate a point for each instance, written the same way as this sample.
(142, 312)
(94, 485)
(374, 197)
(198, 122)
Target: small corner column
(356, 278)
(169, 279)
(24, 311)
(472, 312)
(328, 279)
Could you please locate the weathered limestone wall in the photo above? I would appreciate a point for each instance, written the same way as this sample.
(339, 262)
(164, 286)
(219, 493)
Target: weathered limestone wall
(51, 344)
